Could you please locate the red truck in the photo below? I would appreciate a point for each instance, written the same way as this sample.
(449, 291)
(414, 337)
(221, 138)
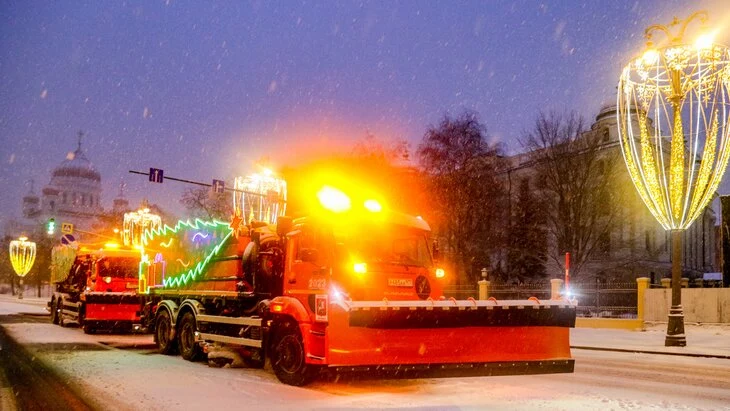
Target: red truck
(99, 290)
(353, 285)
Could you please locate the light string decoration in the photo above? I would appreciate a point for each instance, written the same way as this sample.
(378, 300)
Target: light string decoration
(672, 113)
(136, 223)
(22, 256)
(673, 105)
(189, 243)
(62, 258)
(259, 197)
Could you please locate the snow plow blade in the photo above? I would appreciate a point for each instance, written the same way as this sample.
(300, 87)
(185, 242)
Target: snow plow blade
(451, 337)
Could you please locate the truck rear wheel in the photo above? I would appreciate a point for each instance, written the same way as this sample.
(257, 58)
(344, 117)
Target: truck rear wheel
(166, 344)
(189, 349)
(288, 358)
(54, 311)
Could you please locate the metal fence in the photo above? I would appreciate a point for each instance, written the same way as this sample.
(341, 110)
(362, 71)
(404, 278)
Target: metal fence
(606, 300)
(595, 299)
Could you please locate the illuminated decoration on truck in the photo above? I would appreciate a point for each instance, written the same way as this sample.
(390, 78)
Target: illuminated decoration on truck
(136, 224)
(163, 236)
(259, 197)
(184, 278)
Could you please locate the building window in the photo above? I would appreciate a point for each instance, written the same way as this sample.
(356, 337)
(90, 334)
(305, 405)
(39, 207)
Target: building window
(53, 205)
(64, 197)
(605, 135)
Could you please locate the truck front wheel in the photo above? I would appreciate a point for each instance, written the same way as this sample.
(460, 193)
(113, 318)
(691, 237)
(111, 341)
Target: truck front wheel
(166, 343)
(288, 356)
(189, 349)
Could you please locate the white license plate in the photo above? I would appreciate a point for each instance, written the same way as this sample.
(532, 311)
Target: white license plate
(400, 282)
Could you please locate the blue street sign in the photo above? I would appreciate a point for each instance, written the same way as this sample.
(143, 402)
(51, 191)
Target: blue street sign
(156, 175)
(67, 239)
(218, 186)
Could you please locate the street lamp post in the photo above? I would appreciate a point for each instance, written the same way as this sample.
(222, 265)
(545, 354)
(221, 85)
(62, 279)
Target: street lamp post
(673, 107)
(22, 257)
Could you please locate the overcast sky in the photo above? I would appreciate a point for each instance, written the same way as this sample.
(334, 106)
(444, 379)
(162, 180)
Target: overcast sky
(202, 89)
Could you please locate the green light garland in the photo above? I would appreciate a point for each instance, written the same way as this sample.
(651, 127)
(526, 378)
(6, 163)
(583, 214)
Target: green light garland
(185, 277)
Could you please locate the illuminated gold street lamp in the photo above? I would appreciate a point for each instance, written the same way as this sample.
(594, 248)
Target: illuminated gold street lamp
(136, 223)
(672, 112)
(22, 257)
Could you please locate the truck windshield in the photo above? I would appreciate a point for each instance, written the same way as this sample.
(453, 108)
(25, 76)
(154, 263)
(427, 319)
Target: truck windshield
(388, 245)
(126, 267)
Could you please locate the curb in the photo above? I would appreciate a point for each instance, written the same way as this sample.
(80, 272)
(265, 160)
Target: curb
(580, 347)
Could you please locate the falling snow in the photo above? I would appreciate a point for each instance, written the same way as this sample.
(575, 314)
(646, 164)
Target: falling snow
(252, 78)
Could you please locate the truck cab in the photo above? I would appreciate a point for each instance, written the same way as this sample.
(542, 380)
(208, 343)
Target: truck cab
(368, 259)
(100, 290)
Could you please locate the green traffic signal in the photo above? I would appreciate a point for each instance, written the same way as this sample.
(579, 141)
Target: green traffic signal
(51, 226)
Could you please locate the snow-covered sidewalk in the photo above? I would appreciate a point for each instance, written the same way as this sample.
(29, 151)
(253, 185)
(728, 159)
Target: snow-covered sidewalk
(26, 300)
(702, 340)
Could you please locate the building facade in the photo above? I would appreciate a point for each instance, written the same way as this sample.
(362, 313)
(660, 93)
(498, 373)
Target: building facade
(636, 244)
(72, 196)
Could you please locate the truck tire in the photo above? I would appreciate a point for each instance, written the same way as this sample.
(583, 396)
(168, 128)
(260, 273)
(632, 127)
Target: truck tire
(163, 330)
(88, 329)
(288, 356)
(54, 312)
(189, 349)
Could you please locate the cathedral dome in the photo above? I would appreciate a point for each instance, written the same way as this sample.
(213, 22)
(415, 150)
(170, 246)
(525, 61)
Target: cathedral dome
(77, 165)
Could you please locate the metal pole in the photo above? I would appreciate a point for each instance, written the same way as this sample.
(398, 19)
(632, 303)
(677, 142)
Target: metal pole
(567, 273)
(675, 323)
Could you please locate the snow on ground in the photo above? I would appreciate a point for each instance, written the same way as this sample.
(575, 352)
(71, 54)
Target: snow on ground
(702, 339)
(124, 372)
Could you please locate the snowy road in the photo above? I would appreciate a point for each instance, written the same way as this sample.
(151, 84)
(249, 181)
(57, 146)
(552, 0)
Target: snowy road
(124, 372)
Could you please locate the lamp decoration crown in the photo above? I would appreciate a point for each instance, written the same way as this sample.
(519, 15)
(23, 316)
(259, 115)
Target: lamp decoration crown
(681, 24)
(673, 109)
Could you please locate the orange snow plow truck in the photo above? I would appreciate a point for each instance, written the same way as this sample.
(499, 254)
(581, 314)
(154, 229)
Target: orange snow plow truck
(96, 287)
(351, 286)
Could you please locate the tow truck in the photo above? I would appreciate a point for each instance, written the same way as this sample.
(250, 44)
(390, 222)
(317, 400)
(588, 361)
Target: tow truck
(96, 287)
(351, 286)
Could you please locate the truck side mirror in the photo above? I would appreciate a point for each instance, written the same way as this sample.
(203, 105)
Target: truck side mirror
(283, 225)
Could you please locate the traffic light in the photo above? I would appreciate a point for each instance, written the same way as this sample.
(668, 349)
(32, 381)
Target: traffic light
(51, 226)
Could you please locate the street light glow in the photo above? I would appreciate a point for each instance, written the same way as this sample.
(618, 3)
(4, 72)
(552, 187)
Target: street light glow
(704, 41)
(673, 105)
(668, 96)
(22, 255)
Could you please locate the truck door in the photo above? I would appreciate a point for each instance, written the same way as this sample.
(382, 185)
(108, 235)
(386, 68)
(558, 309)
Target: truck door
(309, 256)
